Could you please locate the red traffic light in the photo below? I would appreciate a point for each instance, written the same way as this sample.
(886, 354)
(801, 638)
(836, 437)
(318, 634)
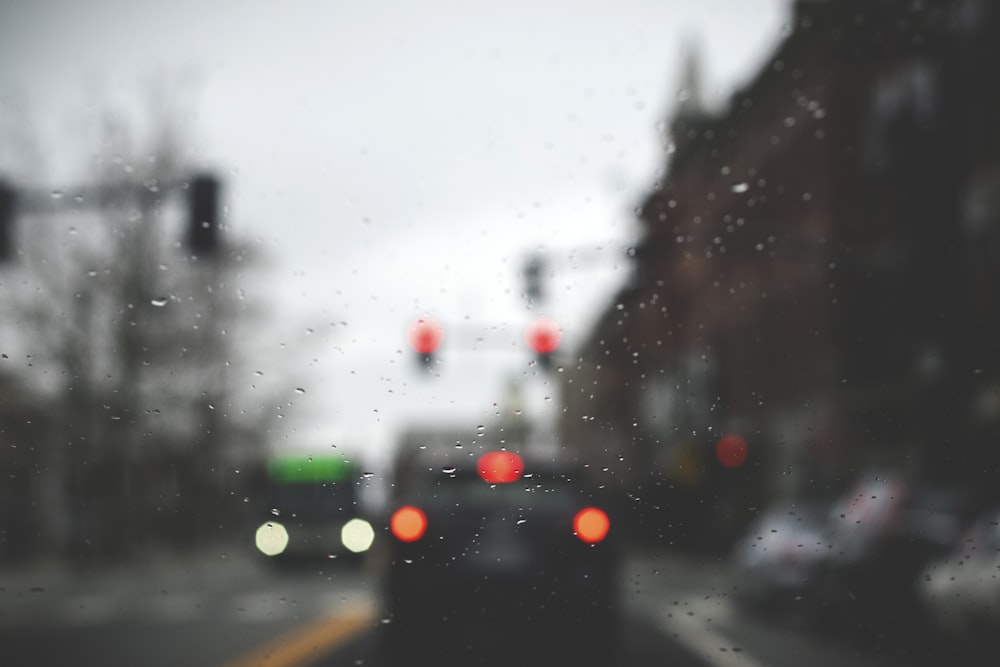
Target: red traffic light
(426, 336)
(543, 336)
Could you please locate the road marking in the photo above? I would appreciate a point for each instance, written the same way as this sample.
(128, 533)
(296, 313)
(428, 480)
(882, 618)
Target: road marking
(308, 644)
(691, 622)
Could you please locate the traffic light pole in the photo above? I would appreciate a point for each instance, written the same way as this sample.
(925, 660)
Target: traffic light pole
(539, 266)
(203, 195)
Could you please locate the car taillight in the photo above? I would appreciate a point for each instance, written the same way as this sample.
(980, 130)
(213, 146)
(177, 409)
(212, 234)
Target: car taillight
(591, 525)
(408, 524)
(500, 467)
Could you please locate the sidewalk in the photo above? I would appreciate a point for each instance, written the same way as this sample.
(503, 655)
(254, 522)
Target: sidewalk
(51, 572)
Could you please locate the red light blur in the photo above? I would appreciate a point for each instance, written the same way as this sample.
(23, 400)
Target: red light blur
(543, 335)
(731, 451)
(500, 467)
(408, 524)
(591, 525)
(426, 336)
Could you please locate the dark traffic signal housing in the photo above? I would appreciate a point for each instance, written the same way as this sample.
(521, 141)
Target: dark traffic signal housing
(543, 336)
(203, 210)
(425, 337)
(8, 204)
(534, 290)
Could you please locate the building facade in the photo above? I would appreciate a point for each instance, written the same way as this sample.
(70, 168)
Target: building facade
(819, 272)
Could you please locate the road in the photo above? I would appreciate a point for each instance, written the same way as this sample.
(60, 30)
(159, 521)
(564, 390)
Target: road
(224, 609)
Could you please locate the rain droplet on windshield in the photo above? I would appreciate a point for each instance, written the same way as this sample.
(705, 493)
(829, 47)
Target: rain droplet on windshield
(741, 187)
(159, 302)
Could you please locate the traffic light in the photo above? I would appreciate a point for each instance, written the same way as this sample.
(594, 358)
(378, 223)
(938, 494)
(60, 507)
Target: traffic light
(425, 338)
(533, 269)
(543, 336)
(203, 211)
(8, 203)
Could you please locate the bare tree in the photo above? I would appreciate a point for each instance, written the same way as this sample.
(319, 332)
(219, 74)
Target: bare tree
(132, 341)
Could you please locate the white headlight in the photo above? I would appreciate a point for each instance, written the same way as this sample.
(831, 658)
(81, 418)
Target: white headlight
(357, 535)
(272, 538)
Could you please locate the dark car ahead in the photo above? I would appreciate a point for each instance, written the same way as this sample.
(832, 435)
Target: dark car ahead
(490, 557)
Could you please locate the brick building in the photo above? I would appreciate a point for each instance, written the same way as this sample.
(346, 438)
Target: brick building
(819, 272)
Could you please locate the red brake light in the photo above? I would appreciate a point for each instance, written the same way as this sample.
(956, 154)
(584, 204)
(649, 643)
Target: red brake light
(408, 524)
(500, 467)
(591, 525)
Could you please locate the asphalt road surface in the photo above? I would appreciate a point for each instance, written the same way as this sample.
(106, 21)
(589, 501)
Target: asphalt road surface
(224, 609)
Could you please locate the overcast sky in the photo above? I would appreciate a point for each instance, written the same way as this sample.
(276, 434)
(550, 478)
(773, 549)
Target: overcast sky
(393, 160)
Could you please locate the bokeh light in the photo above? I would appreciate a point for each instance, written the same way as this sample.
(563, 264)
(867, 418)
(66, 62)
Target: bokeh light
(731, 451)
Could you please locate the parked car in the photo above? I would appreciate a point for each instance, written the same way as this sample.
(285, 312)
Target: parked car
(777, 561)
(882, 534)
(496, 556)
(960, 591)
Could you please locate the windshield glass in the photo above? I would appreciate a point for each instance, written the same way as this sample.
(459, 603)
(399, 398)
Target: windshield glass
(722, 277)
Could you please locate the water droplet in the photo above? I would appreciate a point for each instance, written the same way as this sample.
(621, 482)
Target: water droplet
(300, 390)
(448, 470)
(275, 511)
(741, 187)
(159, 302)
(367, 475)
(56, 194)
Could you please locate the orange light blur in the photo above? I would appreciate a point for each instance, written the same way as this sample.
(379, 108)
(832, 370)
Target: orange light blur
(591, 525)
(500, 467)
(408, 524)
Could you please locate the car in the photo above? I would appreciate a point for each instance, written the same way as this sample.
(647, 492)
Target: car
(960, 592)
(493, 556)
(778, 560)
(883, 533)
(312, 511)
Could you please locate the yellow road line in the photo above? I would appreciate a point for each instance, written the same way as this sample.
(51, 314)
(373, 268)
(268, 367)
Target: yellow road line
(305, 645)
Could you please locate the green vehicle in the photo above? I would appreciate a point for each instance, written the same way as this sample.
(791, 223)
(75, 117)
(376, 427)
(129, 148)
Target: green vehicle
(313, 509)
